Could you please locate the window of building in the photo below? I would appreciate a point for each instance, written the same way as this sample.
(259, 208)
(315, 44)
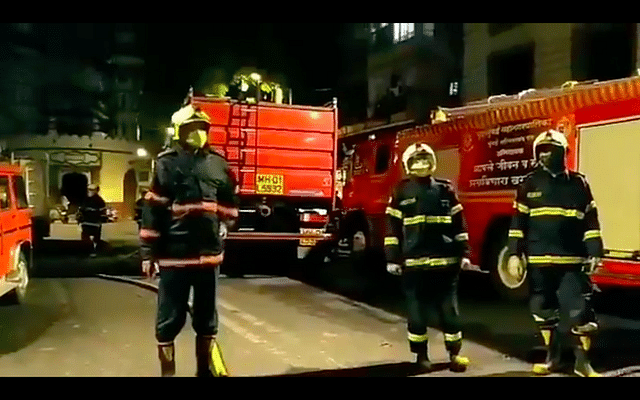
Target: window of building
(403, 31)
(382, 159)
(428, 29)
(603, 51)
(511, 71)
(20, 189)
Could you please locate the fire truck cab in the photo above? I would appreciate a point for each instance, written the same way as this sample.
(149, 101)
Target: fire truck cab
(15, 234)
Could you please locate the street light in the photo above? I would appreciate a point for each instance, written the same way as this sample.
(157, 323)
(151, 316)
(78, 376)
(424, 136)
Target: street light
(142, 152)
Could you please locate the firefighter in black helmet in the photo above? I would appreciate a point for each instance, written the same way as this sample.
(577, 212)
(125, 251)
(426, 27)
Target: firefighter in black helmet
(91, 214)
(191, 195)
(426, 243)
(555, 229)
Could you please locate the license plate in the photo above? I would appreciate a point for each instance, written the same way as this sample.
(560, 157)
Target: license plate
(308, 242)
(311, 241)
(269, 184)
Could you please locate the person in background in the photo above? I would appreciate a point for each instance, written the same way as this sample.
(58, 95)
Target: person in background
(91, 215)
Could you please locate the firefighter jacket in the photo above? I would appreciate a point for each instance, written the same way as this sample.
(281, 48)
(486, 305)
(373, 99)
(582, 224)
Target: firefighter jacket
(92, 211)
(181, 213)
(555, 221)
(425, 227)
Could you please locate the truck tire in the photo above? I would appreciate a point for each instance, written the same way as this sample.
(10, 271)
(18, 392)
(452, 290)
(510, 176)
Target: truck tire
(18, 295)
(507, 286)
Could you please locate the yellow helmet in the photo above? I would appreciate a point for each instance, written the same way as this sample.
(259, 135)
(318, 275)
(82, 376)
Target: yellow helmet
(551, 137)
(190, 115)
(415, 150)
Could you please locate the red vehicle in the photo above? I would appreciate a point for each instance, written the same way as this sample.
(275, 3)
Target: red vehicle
(485, 149)
(15, 233)
(284, 159)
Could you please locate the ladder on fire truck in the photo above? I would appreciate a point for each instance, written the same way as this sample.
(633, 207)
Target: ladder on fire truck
(242, 134)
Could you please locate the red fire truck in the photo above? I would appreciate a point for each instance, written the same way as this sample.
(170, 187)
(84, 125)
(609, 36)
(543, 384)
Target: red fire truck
(15, 233)
(283, 157)
(485, 149)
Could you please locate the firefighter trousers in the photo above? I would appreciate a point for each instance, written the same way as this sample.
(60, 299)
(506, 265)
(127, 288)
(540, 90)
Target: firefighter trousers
(432, 300)
(560, 302)
(173, 302)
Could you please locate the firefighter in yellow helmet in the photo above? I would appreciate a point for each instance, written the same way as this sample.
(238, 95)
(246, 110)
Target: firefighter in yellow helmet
(192, 193)
(556, 230)
(426, 244)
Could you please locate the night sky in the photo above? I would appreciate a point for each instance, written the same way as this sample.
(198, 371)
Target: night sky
(300, 56)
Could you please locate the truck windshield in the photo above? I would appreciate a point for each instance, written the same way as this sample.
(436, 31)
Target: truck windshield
(20, 190)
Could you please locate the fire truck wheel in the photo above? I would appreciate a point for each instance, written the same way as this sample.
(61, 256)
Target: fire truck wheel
(18, 295)
(509, 287)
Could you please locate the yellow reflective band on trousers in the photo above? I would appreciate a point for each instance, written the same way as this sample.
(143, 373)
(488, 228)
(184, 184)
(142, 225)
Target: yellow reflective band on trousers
(452, 337)
(555, 260)
(393, 212)
(594, 234)
(218, 366)
(430, 219)
(418, 338)
(461, 237)
(390, 241)
(546, 336)
(516, 233)
(430, 262)
(564, 212)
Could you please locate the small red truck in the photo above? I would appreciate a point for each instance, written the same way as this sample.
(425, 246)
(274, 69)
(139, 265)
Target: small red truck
(16, 259)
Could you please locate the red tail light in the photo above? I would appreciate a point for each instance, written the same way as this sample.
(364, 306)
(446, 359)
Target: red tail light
(314, 218)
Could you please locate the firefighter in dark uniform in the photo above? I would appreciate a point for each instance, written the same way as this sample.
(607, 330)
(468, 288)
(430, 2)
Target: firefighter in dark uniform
(555, 235)
(192, 194)
(426, 243)
(91, 214)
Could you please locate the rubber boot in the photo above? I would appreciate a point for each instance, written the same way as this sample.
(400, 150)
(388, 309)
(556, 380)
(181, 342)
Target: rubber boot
(423, 362)
(582, 336)
(457, 363)
(553, 346)
(166, 353)
(203, 356)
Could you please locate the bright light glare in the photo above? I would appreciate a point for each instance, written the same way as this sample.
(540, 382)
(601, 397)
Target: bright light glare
(142, 152)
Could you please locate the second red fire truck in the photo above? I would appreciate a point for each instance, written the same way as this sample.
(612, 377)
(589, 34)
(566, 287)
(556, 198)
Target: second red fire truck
(485, 149)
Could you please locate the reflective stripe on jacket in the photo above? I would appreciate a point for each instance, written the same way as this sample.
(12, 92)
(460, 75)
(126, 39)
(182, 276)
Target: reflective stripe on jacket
(425, 227)
(181, 214)
(555, 220)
